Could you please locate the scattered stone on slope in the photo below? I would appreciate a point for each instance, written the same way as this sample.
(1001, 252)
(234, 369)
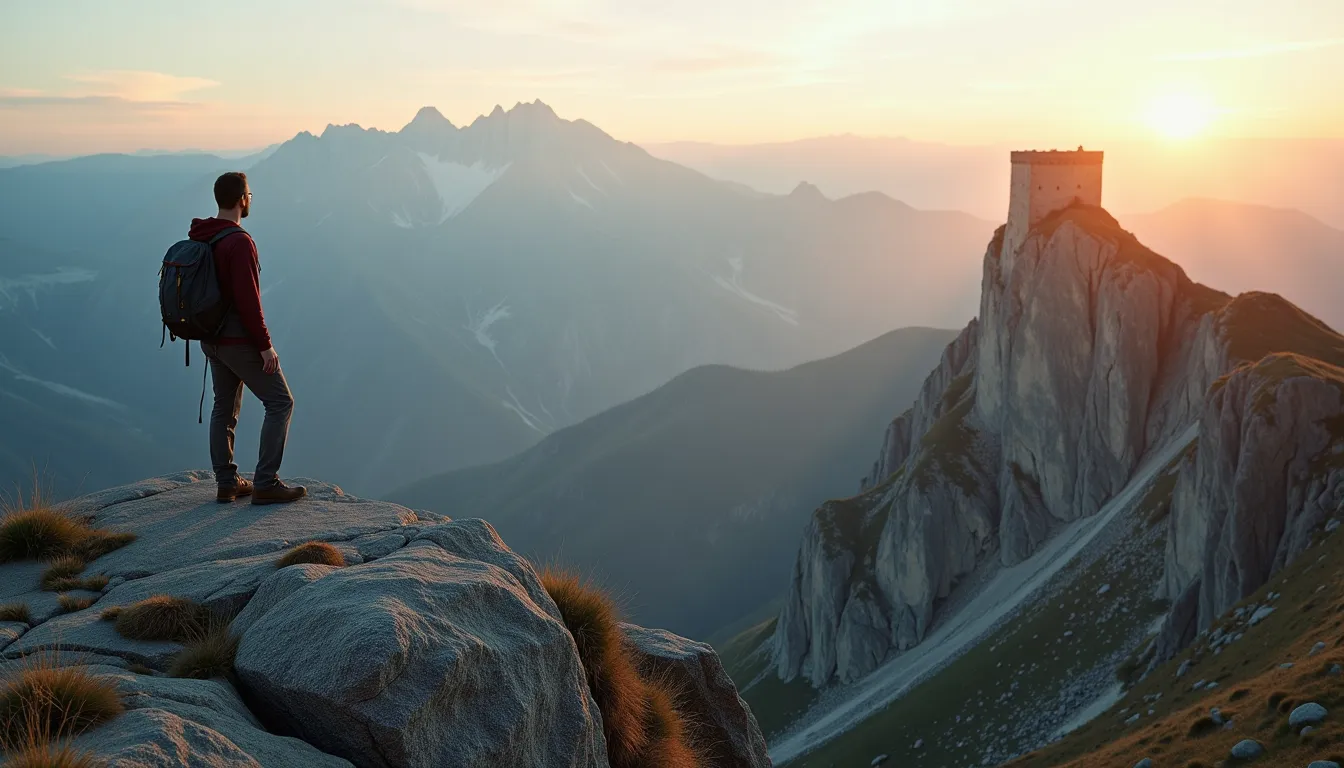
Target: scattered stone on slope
(1247, 749)
(446, 652)
(1146, 762)
(1310, 713)
(725, 726)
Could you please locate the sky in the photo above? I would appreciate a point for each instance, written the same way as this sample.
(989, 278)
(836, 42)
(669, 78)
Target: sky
(82, 76)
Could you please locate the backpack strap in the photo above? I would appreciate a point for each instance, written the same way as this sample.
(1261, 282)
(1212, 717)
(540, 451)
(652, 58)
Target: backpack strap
(223, 233)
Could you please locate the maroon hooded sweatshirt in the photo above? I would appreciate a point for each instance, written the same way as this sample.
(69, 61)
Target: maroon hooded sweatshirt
(239, 273)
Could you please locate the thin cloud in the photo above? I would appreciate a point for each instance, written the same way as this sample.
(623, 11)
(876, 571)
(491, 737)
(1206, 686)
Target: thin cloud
(25, 101)
(1255, 51)
(138, 85)
(721, 62)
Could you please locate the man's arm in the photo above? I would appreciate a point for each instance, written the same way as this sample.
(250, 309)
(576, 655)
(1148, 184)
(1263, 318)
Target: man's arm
(247, 294)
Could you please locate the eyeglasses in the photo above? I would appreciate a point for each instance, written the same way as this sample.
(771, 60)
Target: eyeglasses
(248, 195)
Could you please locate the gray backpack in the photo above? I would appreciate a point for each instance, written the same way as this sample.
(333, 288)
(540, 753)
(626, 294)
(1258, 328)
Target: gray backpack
(192, 306)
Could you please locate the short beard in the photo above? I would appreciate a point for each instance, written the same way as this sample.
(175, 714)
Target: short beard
(246, 207)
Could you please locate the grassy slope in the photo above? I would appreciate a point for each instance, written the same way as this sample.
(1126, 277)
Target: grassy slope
(774, 703)
(1250, 676)
(689, 500)
(1028, 664)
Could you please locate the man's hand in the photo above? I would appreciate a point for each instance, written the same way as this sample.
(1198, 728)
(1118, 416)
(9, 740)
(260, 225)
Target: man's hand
(270, 361)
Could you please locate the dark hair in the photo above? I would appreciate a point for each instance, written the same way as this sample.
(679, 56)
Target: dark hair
(229, 189)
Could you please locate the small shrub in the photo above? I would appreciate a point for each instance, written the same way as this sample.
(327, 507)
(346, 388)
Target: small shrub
(162, 617)
(51, 756)
(44, 703)
(61, 569)
(70, 583)
(70, 603)
(207, 656)
(38, 534)
(110, 614)
(16, 612)
(592, 618)
(669, 734)
(316, 552)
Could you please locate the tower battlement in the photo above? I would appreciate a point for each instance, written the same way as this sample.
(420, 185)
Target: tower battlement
(1044, 182)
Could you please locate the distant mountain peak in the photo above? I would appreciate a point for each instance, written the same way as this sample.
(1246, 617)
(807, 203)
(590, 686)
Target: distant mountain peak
(807, 191)
(430, 116)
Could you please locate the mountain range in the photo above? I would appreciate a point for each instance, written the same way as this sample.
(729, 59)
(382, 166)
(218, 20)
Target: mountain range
(443, 296)
(688, 501)
(1140, 175)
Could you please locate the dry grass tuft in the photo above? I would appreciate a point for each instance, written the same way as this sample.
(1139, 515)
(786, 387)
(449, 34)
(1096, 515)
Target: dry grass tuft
(207, 656)
(139, 669)
(670, 743)
(62, 569)
(36, 531)
(70, 603)
(16, 612)
(43, 703)
(316, 552)
(110, 614)
(38, 534)
(593, 620)
(51, 756)
(162, 617)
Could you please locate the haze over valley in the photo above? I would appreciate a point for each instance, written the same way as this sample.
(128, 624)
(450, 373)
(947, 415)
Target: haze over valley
(686, 386)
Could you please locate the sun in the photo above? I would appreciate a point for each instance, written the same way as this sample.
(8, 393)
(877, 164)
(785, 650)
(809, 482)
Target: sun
(1181, 114)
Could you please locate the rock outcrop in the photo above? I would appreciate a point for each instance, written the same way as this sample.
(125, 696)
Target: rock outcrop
(434, 646)
(1089, 354)
(724, 723)
(1268, 473)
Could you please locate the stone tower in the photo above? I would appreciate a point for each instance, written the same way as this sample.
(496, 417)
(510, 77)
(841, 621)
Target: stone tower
(1044, 182)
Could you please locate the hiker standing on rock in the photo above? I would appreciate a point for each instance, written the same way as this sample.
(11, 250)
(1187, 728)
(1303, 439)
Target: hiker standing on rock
(241, 353)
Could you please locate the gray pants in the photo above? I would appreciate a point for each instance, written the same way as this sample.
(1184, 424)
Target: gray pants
(231, 367)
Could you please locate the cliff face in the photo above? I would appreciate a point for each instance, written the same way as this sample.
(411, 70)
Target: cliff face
(1269, 471)
(1090, 352)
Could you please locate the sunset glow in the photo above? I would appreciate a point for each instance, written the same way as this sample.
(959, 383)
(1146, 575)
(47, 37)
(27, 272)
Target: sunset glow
(1181, 114)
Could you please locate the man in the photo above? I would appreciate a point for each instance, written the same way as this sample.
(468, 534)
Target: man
(242, 355)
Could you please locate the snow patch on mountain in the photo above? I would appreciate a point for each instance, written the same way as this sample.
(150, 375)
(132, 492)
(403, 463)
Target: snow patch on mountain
(580, 199)
(734, 285)
(11, 288)
(456, 184)
(58, 388)
(44, 337)
(529, 418)
(587, 179)
(608, 170)
(479, 325)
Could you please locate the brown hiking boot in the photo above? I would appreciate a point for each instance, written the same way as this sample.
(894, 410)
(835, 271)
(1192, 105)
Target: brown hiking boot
(227, 493)
(278, 494)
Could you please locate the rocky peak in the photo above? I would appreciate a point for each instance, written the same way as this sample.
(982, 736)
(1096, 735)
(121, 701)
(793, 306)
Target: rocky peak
(429, 121)
(1090, 354)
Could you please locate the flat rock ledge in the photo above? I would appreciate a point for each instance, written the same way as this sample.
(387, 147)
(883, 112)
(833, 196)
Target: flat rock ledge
(435, 645)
